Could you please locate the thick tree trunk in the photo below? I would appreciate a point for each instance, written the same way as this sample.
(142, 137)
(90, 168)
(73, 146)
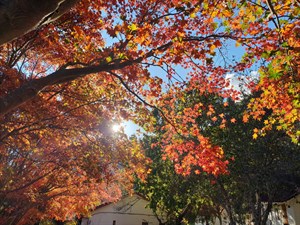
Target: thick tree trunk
(17, 17)
(260, 212)
(227, 203)
(255, 208)
(220, 219)
(267, 212)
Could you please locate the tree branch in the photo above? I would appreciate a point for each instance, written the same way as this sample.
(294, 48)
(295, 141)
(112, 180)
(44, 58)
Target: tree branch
(17, 17)
(142, 100)
(29, 90)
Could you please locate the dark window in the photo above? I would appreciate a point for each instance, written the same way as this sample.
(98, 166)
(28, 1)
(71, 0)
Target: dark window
(144, 223)
(114, 222)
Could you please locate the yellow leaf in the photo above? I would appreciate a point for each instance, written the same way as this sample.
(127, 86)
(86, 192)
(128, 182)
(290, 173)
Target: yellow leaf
(26, 141)
(214, 13)
(133, 27)
(226, 13)
(108, 59)
(212, 48)
(251, 17)
(193, 15)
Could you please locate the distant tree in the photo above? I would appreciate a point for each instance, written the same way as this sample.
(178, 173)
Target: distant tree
(174, 198)
(258, 169)
(262, 170)
(80, 67)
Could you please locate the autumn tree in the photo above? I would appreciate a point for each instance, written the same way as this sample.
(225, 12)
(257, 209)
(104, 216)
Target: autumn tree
(62, 171)
(175, 199)
(261, 169)
(64, 81)
(137, 36)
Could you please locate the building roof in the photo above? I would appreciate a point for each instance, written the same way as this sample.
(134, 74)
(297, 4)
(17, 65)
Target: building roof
(125, 196)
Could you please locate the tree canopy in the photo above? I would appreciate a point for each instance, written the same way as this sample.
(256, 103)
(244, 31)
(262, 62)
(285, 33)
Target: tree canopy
(72, 68)
(173, 197)
(260, 171)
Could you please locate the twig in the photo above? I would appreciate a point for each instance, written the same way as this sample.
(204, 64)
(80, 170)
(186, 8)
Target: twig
(143, 101)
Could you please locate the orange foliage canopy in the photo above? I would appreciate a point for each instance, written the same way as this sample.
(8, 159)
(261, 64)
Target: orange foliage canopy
(62, 83)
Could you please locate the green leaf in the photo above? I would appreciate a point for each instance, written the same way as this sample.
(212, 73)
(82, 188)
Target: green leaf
(108, 59)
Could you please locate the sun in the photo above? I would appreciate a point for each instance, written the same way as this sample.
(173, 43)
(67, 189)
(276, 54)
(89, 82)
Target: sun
(116, 127)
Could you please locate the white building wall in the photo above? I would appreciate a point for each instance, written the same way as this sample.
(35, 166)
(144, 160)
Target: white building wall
(293, 212)
(129, 211)
(295, 205)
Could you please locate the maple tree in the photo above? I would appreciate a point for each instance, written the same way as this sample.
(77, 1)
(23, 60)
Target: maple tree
(62, 171)
(174, 198)
(64, 79)
(259, 172)
(137, 35)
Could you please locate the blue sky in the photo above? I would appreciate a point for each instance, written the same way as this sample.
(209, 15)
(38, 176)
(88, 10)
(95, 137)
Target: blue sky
(231, 52)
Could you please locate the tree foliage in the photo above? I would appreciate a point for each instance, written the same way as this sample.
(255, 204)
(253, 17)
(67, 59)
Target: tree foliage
(174, 198)
(260, 171)
(64, 81)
